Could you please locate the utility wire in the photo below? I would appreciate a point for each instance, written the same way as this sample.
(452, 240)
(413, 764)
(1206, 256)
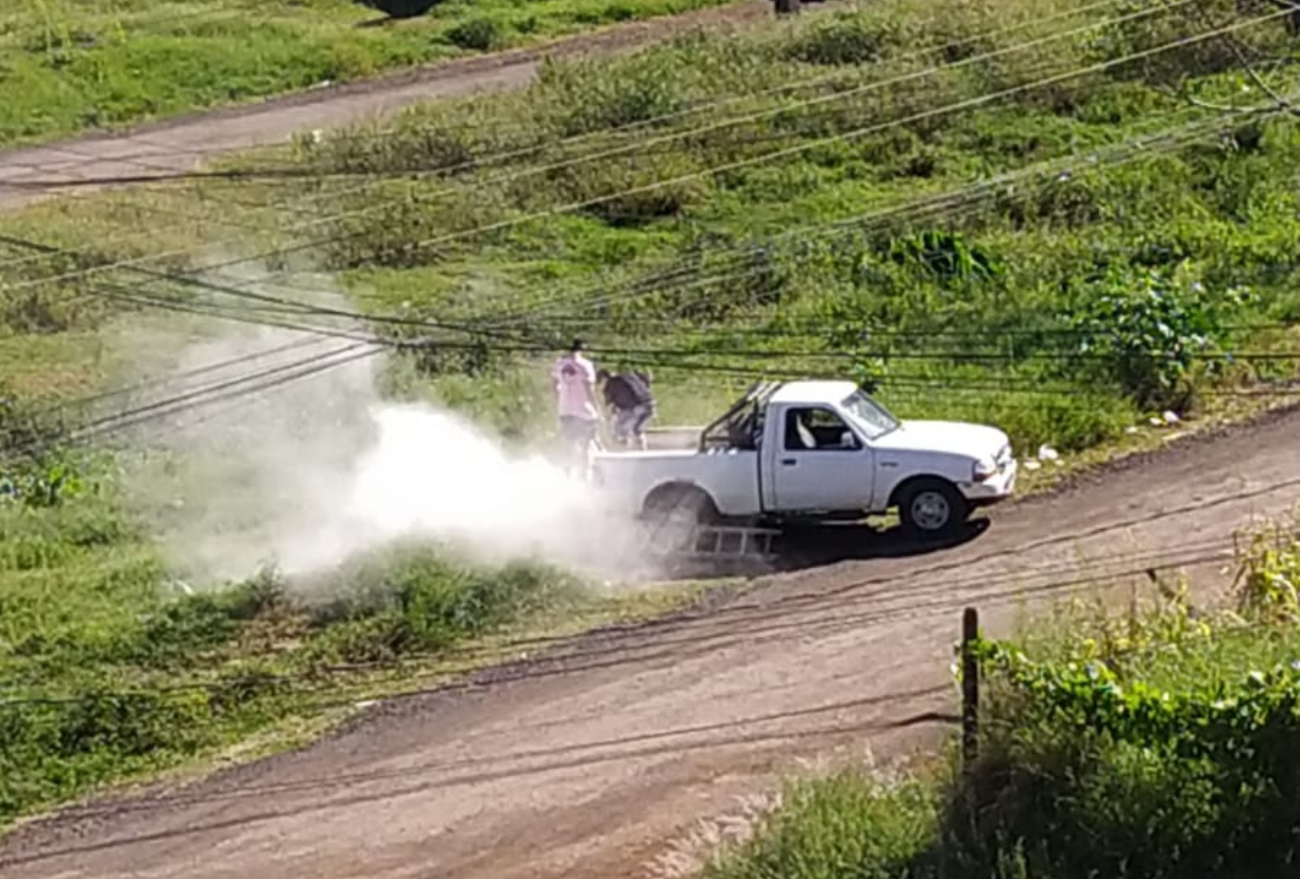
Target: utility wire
(850, 226)
(504, 157)
(950, 204)
(501, 225)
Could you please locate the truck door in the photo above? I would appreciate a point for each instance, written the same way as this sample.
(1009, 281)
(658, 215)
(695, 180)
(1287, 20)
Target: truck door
(821, 464)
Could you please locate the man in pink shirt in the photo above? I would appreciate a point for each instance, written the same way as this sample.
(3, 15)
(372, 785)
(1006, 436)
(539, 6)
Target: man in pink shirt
(574, 380)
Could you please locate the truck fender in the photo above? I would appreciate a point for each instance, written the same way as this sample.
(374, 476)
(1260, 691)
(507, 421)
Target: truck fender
(904, 485)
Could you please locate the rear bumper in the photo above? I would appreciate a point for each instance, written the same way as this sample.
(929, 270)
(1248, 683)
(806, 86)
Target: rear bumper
(992, 491)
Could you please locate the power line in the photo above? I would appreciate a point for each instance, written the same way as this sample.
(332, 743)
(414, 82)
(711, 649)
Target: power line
(745, 614)
(317, 220)
(1134, 148)
(246, 385)
(170, 378)
(352, 315)
(672, 361)
(948, 204)
(731, 166)
(500, 157)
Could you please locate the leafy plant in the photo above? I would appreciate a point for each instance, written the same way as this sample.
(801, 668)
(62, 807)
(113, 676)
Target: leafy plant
(1144, 331)
(36, 470)
(944, 256)
(846, 39)
(1268, 584)
(479, 33)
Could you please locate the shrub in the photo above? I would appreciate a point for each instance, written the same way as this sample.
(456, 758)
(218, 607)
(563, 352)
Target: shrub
(36, 468)
(1173, 65)
(845, 825)
(1144, 331)
(200, 623)
(588, 96)
(414, 225)
(56, 749)
(369, 149)
(846, 38)
(418, 599)
(479, 34)
(944, 256)
(1268, 584)
(631, 191)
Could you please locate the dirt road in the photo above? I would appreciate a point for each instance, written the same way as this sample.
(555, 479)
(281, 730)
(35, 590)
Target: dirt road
(591, 763)
(181, 145)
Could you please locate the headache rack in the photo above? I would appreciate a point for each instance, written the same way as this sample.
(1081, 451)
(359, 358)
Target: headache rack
(741, 426)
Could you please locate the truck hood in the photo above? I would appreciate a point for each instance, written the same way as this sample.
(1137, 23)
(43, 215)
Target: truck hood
(947, 437)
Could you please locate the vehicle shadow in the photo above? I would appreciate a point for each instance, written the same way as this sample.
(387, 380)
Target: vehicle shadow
(817, 545)
(804, 547)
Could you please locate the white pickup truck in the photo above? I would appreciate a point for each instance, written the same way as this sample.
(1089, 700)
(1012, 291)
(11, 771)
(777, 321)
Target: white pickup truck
(818, 450)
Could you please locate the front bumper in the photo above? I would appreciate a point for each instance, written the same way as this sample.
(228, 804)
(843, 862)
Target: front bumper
(997, 488)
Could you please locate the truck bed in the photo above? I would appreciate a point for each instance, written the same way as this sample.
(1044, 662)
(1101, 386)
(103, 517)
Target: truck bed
(670, 438)
(728, 476)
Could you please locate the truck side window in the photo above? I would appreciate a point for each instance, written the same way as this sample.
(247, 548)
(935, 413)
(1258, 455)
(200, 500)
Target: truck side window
(815, 429)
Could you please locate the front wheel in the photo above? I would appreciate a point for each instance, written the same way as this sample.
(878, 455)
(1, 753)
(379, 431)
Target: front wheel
(932, 508)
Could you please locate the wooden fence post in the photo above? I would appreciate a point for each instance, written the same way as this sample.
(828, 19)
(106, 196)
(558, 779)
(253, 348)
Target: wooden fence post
(970, 688)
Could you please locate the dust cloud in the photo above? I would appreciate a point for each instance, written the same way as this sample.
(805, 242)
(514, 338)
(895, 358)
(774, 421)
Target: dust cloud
(301, 475)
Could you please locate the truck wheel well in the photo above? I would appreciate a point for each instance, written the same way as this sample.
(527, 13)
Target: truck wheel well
(672, 496)
(912, 482)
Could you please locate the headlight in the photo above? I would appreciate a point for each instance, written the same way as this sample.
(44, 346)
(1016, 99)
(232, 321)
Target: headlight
(983, 470)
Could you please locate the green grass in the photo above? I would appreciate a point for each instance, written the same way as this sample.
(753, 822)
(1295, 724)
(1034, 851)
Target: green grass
(1158, 744)
(73, 65)
(1058, 308)
(1105, 277)
(95, 640)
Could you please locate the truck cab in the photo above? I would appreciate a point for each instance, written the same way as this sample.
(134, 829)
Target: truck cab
(819, 450)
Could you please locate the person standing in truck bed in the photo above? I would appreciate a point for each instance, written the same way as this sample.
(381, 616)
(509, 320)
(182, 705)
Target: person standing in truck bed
(630, 400)
(574, 380)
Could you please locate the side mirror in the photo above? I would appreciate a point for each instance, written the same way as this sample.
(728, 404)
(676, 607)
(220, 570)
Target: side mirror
(848, 440)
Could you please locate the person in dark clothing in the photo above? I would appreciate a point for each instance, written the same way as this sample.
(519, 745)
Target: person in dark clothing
(632, 403)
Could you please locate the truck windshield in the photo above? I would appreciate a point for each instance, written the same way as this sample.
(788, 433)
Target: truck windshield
(870, 415)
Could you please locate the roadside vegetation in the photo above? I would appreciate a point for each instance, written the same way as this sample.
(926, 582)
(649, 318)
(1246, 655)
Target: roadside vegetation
(75, 65)
(1014, 215)
(1161, 743)
(933, 196)
(110, 670)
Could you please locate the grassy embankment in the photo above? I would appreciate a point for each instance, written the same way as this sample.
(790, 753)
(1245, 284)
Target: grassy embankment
(1162, 743)
(1065, 308)
(73, 65)
(110, 674)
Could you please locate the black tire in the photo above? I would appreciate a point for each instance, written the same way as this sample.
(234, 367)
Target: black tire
(931, 508)
(683, 503)
(676, 514)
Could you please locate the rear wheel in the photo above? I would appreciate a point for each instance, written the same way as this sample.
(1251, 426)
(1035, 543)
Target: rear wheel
(932, 508)
(676, 514)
